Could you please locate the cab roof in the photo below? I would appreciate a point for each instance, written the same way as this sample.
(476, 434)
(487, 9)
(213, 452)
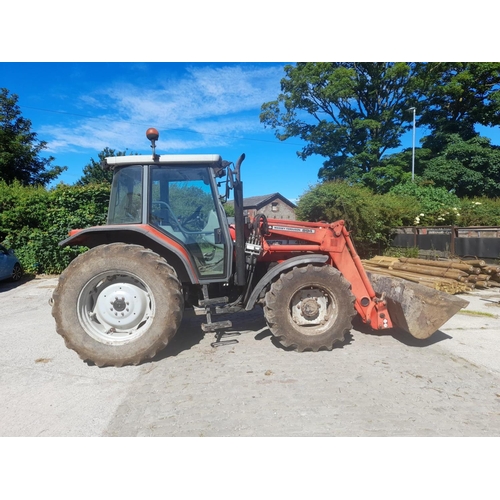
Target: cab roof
(190, 159)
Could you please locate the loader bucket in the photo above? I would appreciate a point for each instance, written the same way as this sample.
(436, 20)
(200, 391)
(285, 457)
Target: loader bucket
(415, 308)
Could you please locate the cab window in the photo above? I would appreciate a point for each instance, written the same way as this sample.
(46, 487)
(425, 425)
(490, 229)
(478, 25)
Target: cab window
(125, 206)
(182, 205)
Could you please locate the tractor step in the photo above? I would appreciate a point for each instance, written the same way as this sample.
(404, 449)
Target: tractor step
(228, 309)
(213, 302)
(218, 325)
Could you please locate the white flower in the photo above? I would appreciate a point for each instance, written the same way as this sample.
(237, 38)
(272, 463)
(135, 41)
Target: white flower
(421, 215)
(477, 203)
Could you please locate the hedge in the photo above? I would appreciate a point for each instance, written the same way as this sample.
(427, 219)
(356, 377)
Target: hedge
(373, 217)
(33, 220)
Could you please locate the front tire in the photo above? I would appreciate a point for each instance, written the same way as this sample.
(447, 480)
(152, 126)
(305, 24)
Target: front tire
(118, 304)
(310, 308)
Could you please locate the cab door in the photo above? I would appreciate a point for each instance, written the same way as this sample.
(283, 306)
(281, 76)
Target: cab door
(184, 204)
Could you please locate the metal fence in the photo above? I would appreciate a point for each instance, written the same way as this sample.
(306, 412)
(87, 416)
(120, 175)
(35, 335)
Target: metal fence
(482, 242)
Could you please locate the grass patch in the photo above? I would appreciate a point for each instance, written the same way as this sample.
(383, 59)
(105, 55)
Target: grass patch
(410, 252)
(477, 313)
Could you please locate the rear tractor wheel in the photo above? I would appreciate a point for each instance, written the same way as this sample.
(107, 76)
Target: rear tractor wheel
(118, 304)
(310, 308)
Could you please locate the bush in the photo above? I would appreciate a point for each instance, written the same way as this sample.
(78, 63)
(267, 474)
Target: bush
(430, 206)
(39, 251)
(480, 212)
(370, 217)
(34, 220)
(21, 207)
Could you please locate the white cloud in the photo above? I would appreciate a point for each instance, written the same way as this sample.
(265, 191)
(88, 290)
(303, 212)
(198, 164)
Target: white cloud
(214, 105)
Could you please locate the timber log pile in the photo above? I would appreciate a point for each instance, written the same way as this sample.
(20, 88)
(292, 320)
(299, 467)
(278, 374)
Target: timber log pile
(451, 276)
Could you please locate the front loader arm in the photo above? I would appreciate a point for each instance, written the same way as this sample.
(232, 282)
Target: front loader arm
(372, 309)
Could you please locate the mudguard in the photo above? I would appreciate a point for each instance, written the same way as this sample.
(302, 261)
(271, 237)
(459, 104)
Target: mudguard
(137, 234)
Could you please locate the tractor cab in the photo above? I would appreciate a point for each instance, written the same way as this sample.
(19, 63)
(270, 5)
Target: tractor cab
(178, 196)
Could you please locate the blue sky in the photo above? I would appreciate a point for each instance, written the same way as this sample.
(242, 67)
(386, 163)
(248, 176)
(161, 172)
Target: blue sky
(81, 108)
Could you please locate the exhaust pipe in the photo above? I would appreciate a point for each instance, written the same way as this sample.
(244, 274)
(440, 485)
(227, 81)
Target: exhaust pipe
(239, 221)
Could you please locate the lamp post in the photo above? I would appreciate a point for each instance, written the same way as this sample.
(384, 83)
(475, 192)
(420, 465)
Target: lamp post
(413, 147)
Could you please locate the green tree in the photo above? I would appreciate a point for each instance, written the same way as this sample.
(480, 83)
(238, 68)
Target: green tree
(20, 149)
(457, 96)
(229, 209)
(94, 173)
(349, 113)
(381, 179)
(467, 168)
(396, 169)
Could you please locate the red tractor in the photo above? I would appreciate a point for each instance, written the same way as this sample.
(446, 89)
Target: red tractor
(167, 246)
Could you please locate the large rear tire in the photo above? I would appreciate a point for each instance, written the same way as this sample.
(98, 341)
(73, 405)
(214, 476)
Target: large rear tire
(118, 304)
(310, 308)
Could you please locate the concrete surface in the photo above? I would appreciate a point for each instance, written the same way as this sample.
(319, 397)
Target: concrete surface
(373, 385)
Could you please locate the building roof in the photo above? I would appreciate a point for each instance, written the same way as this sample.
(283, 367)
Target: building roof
(260, 201)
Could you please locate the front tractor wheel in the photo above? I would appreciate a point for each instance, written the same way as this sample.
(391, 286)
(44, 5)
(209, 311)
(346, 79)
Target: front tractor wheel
(310, 308)
(117, 304)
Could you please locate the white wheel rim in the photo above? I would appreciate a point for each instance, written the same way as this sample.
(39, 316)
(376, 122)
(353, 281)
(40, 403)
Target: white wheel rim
(313, 310)
(115, 307)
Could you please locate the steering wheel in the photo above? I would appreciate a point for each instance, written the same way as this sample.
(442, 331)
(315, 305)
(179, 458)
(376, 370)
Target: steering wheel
(172, 219)
(195, 217)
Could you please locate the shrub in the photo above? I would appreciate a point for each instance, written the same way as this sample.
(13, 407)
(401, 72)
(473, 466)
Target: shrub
(34, 220)
(431, 206)
(21, 206)
(370, 217)
(480, 212)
